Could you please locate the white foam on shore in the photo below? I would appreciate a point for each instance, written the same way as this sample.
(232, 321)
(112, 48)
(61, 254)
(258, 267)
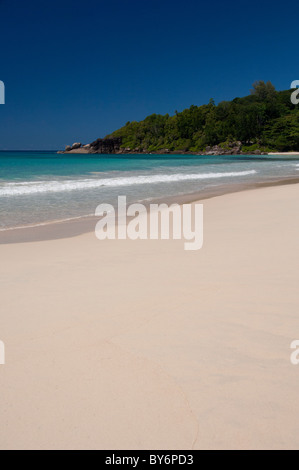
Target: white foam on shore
(37, 187)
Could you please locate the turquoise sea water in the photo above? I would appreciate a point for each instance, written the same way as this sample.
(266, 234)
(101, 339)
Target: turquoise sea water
(36, 187)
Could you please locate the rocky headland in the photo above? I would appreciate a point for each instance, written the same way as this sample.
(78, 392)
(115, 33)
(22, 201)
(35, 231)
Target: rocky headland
(114, 146)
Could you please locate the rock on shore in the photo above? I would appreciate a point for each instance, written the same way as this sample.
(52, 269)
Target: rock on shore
(105, 146)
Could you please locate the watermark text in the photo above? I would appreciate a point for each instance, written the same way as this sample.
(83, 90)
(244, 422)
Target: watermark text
(295, 355)
(2, 92)
(2, 353)
(295, 94)
(159, 222)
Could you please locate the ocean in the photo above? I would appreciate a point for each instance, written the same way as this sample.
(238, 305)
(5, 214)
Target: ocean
(39, 187)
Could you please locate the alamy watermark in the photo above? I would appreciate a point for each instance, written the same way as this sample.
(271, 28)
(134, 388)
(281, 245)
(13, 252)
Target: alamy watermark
(161, 221)
(295, 354)
(2, 92)
(295, 94)
(2, 353)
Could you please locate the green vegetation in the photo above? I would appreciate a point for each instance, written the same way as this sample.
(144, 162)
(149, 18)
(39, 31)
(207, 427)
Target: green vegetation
(266, 120)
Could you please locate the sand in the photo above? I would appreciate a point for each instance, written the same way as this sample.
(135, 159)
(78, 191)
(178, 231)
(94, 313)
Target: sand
(142, 345)
(284, 153)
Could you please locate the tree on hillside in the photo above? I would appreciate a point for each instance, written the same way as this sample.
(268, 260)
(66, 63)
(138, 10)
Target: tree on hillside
(262, 90)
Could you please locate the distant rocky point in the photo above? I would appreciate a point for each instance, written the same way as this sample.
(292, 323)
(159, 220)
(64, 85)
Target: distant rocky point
(114, 146)
(98, 146)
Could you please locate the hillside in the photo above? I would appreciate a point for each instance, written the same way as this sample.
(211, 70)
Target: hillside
(261, 122)
(266, 120)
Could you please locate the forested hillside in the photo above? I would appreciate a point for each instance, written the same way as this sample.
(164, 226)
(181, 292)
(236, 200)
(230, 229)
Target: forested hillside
(265, 120)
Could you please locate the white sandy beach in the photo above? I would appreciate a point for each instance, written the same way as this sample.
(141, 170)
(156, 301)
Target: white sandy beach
(142, 345)
(283, 153)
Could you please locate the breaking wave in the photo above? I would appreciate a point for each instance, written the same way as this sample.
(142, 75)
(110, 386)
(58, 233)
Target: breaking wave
(56, 186)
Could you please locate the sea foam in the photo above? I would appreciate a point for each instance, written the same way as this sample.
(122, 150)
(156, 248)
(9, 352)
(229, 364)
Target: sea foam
(56, 186)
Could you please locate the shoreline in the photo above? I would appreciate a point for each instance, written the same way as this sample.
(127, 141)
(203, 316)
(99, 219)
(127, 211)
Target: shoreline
(283, 153)
(212, 151)
(82, 151)
(73, 227)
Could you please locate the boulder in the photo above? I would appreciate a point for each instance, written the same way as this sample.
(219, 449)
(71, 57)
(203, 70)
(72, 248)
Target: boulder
(107, 145)
(76, 145)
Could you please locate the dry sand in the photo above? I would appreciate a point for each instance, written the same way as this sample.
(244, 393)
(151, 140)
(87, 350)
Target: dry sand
(142, 345)
(284, 153)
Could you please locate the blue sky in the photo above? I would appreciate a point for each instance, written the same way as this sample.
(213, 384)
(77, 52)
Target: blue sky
(75, 71)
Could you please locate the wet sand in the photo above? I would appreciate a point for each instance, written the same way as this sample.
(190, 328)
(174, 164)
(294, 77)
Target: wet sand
(73, 228)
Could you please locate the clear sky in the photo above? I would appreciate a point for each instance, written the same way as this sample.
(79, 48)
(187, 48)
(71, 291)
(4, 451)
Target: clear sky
(77, 70)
